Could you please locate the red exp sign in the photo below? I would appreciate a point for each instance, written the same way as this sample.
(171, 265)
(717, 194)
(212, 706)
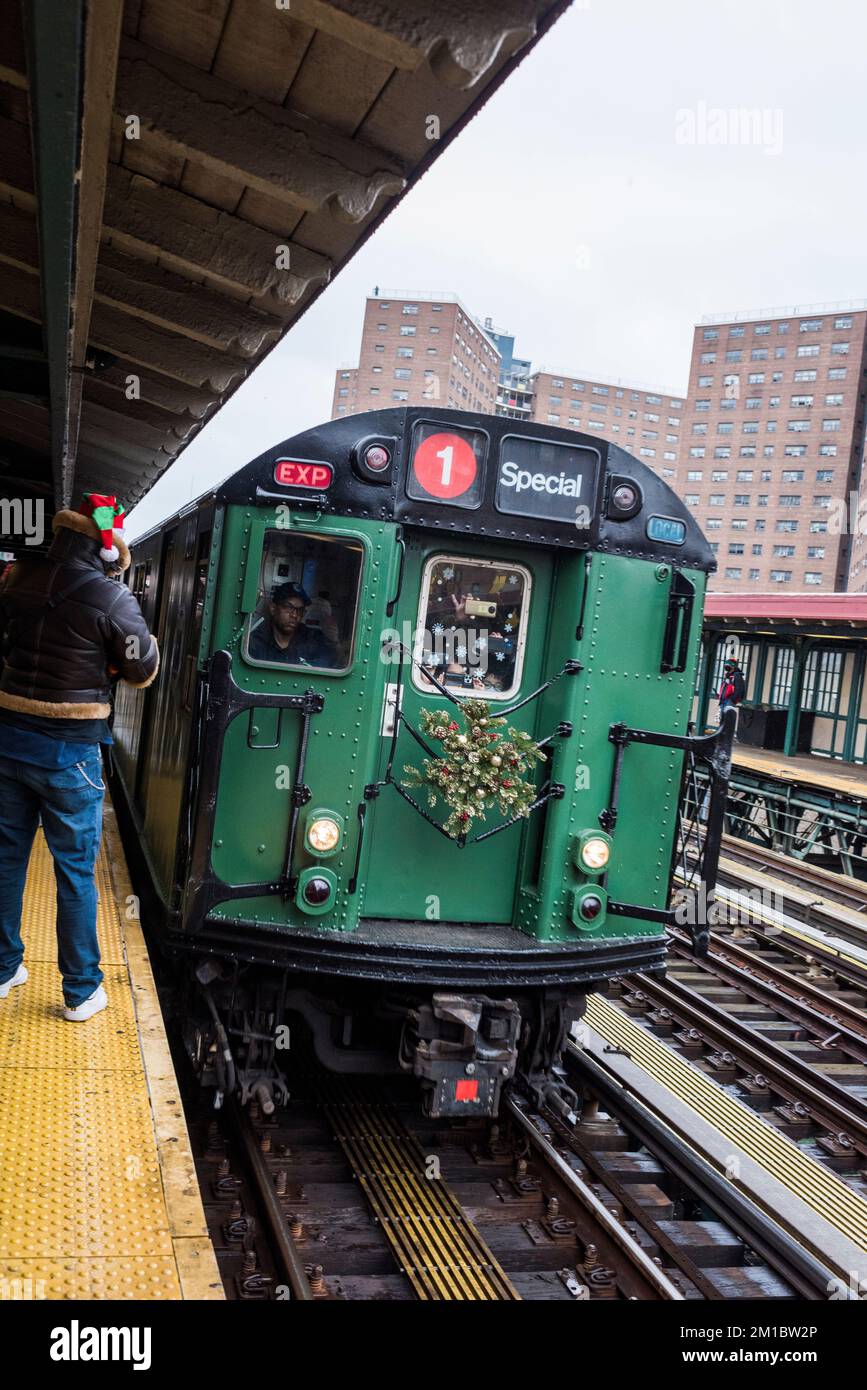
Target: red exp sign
(294, 473)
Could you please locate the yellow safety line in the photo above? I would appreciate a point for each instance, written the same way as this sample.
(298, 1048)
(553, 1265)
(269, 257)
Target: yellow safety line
(815, 1185)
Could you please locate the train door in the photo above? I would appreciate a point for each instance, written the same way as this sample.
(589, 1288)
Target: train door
(476, 616)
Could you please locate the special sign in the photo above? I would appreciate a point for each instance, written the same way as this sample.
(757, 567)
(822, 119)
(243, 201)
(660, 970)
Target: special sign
(555, 482)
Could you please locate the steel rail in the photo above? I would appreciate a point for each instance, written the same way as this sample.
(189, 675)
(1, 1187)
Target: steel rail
(284, 1246)
(831, 1104)
(592, 1204)
(780, 1251)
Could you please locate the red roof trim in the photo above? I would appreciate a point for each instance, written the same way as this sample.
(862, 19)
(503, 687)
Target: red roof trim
(847, 608)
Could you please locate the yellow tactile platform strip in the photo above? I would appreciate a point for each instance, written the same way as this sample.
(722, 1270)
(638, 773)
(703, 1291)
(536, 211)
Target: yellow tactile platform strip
(99, 1198)
(816, 1186)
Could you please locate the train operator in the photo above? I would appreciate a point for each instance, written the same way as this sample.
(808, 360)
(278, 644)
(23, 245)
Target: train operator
(67, 630)
(284, 636)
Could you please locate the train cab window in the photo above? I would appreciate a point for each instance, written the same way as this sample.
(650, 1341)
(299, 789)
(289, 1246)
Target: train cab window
(472, 625)
(306, 612)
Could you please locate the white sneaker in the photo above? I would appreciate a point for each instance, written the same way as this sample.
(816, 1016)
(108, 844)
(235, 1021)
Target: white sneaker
(94, 1005)
(19, 978)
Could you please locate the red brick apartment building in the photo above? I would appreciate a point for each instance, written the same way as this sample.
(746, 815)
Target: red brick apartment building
(419, 349)
(773, 444)
(646, 423)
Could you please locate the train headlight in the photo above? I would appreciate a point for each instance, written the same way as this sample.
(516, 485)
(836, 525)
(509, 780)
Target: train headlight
(324, 832)
(593, 852)
(323, 835)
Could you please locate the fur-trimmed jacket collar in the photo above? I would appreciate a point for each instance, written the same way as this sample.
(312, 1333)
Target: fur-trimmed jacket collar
(86, 526)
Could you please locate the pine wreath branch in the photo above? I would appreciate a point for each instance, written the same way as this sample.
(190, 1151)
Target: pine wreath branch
(480, 767)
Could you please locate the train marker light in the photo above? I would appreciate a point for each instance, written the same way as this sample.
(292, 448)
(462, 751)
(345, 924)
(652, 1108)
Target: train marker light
(589, 909)
(324, 832)
(377, 458)
(592, 852)
(316, 890)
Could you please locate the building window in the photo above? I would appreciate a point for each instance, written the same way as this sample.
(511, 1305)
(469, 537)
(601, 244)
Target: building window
(694, 476)
(402, 373)
(818, 527)
(792, 475)
(822, 500)
(751, 427)
(409, 309)
(400, 395)
(734, 355)
(747, 451)
(757, 549)
(738, 524)
(798, 426)
(699, 429)
(786, 526)
(710, 333)
(806, 374)
(784, 552)
(696, 453)
(810, 326)
(790, 499)
(405, 352)
(691, 499)
(719, 475)
(812, 351)
(830, 426)
(781, 678)
(737, 332)
(780, 576)
(842, 323)
(742, 499)
(733, 572)
(761, 354)
(828, 450)
(836, 373)
(754, 574)
(839, 349)
(707, 358)
(713, 523)
(745, 475)
(407, 330)
(724, 427)
(722, 451)
(795, 451)
(717, 499)
(735, 548)
(824, 475)
(815, 552)
(705, 381)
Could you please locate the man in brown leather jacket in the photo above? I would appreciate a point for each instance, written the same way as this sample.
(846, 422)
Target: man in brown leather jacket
(67, 631)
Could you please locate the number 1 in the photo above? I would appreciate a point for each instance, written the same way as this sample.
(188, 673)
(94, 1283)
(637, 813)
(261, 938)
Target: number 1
(446, 454)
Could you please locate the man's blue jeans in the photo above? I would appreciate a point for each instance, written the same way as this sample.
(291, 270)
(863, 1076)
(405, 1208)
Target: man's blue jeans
(69, 801)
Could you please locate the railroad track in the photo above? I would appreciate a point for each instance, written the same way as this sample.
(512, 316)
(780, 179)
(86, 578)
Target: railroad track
(348, 1193)
(806, 1076)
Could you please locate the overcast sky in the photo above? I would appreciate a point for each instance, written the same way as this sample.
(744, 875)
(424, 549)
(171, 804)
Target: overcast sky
(601, 204)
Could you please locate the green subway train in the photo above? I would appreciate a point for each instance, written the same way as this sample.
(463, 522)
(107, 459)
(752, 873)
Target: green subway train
(410, 782)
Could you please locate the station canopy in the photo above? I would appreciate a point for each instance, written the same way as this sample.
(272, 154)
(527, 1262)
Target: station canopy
(180, 180)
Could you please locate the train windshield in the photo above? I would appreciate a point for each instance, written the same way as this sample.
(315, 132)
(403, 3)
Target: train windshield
(308, 602)
(472, 625)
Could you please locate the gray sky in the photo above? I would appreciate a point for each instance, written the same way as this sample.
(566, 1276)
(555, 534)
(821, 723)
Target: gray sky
(602, 202)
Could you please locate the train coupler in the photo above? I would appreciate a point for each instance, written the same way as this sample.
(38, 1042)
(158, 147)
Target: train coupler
(466, 1046)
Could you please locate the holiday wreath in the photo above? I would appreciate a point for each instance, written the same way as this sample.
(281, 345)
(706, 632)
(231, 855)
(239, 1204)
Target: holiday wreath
(479, 767)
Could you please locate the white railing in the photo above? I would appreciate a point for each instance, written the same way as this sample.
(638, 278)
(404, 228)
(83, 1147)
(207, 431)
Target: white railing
(794, 311)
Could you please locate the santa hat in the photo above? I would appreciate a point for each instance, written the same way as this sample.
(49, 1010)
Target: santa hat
(107, 513)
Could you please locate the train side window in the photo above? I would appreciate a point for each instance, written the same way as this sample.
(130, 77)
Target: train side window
(307, 607)
(472, 623)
